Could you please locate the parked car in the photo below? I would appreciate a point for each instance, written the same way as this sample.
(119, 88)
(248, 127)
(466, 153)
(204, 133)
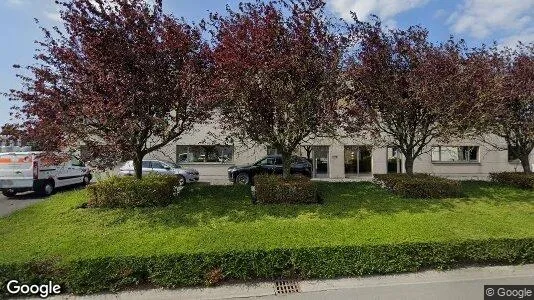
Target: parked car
(28, 171)
(162, 167)
(271, 164)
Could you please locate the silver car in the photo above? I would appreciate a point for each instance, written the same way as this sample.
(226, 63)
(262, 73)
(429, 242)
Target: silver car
(162, 167)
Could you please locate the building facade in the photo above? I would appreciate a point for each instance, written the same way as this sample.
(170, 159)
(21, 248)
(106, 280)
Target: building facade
(206, 149)
(8, 145)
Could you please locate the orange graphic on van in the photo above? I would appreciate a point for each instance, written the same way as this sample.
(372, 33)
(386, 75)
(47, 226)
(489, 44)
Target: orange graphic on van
(5, 160)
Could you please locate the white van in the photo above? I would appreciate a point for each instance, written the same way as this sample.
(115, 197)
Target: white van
(25, 171)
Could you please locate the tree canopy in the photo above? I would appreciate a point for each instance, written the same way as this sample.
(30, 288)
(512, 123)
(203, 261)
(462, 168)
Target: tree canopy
(505, 92)
(277, 72)
(122, 79)
(405, 91)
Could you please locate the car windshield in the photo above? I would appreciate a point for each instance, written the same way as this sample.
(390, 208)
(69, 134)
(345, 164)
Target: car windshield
(265, 161)
(278, 160)
(172, 165)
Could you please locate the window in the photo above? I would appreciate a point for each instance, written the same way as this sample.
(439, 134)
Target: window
(204, 153)
(269, 161)
(146, 164)
(271, 151)
(357, 160)
(172, 165)
(157, 165)
(394, 160)
(464, 154)
(77, 163)
(513, 155)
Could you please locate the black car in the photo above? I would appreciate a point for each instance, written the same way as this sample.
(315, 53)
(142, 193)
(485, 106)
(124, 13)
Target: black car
(271, 164)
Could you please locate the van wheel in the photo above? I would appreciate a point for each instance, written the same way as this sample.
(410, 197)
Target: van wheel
(86, 180)
(9, 193)
(181, 180)
(242, 178)
(48, 188)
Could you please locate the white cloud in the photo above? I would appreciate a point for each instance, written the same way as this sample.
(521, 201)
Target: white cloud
(482, 18)
(53, 16)
(526, 36)
(440, 13)
(385, 9)
(15, 2)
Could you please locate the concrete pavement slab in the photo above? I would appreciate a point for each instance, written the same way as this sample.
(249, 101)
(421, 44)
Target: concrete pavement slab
(466, 283)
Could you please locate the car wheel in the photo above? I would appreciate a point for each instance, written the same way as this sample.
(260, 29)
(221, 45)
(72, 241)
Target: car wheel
(242, 178)
(181, 180)
(48, 188)
(9, 193)
(86, 180)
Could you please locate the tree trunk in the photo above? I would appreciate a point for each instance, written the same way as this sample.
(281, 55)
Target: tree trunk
(286, 165)
(408, 164)
(138, 165)
(308, 152)
(525, 162)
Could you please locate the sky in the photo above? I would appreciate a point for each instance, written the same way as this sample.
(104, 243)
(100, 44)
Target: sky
(476, 21)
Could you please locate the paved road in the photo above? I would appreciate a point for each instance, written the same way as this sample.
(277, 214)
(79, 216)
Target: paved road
(9, 205)
(441, 290)
(465, 283)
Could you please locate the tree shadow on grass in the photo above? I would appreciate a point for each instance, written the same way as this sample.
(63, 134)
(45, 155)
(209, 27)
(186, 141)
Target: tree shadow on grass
(199, 205)
(496, 193)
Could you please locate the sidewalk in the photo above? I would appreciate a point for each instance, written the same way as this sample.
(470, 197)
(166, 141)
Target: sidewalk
(467, 283)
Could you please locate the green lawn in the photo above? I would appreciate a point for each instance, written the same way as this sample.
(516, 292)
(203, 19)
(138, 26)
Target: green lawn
(220, 219)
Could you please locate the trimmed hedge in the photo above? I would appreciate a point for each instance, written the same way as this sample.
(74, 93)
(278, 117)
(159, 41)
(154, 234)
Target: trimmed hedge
(419, 185)
(270, 189)
(516, 179)
(127, 191)
(177, 270)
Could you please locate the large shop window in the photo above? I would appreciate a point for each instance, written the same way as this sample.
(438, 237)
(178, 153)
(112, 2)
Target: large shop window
(357, 160)
(204, 153)
(462, 154)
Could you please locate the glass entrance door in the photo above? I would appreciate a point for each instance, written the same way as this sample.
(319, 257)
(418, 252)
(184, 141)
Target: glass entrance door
(358, 161)
(320, 161)
(394, 160)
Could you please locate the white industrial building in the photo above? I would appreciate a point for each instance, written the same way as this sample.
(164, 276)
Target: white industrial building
(206, 149)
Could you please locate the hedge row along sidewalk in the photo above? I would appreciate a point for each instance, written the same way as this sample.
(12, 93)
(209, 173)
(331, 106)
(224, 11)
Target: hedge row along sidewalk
(178, 270)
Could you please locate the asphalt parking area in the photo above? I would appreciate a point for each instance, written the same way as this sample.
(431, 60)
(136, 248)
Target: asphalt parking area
(20, 201)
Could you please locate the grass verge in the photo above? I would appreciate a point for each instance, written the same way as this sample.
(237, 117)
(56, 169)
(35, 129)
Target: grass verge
(360, 229)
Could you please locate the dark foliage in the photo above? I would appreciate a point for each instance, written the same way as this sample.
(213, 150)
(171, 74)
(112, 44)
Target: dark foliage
(92, 275)
(152, 190)
(520, 180)
(275, 189)
(419, 185)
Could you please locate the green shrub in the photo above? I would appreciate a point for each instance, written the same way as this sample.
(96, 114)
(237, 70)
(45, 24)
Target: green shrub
(275, 189)
(517, 179)
(84, 276)
(127, 191)
(419, 185)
